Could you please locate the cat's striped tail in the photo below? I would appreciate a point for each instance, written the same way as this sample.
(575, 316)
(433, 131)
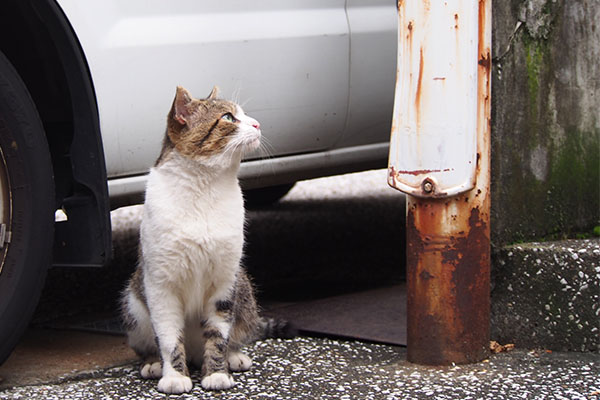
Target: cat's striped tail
(276, 328)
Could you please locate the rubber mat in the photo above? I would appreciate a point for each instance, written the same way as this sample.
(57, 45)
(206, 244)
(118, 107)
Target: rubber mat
(377, 315)
(112, 325)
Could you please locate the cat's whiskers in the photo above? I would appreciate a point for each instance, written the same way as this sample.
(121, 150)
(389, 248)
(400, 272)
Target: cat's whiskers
(265, 151)
(231, 149)
(266, 148)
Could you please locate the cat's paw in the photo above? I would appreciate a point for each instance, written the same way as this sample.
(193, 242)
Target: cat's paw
(151, 370)
(217, 381)
(175, 384)
(239, 362)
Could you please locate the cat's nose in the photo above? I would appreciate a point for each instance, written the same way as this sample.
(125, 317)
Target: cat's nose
(256, 125)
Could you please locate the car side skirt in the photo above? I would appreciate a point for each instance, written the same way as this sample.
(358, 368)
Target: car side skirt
(128, 190)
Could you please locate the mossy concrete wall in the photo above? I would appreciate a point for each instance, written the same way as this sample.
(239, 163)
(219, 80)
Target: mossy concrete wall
(545, 119)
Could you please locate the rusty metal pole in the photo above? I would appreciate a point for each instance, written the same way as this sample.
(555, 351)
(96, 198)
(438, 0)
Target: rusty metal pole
(443, 101)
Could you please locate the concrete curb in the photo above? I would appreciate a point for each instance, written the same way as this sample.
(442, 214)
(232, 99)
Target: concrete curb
(546, 295)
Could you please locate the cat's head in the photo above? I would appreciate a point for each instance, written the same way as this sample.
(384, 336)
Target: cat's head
(209, 129)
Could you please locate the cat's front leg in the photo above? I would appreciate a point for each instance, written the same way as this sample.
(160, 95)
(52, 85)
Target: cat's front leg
(216, 334)
(175, 379)
(168, 321)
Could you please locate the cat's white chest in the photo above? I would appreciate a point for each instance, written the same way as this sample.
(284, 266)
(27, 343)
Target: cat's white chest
(192, 230)
(196, 204)
(209, 219)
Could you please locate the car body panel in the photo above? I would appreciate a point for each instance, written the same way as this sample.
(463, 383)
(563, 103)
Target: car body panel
(373, 31)
(285, 60)
(318, 74)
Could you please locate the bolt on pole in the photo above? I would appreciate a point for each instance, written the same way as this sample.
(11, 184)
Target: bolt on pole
(440, 157)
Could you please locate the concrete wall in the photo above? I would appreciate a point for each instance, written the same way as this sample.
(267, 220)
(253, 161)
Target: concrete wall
(546, 172)
(546, 119)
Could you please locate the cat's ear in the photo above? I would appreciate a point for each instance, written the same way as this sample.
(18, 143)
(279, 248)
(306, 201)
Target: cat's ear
(213, 93)
(181, 105)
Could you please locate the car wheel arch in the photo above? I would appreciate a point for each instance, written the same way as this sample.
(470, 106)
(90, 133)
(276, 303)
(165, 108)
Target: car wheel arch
(56, 74)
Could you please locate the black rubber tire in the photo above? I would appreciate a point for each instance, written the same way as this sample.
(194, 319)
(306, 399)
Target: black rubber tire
(27, 166)
(266, 196)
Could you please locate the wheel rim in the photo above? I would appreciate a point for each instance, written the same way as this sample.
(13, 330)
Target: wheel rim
(5, 209)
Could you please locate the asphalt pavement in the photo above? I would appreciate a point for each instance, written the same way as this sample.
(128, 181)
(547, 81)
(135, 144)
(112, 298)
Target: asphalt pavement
(323, 368)
(328, 236)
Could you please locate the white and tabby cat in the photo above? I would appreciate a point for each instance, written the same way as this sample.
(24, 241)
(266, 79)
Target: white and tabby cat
(189, 299)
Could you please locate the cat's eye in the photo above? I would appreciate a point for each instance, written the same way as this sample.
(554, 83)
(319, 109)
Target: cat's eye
(229, 117)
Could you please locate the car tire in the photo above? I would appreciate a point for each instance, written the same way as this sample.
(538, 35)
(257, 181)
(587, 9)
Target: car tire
(266, 196)
(26, 207)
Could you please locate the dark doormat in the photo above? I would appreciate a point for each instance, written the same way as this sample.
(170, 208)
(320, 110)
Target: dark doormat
(93, 322)
(377, 315)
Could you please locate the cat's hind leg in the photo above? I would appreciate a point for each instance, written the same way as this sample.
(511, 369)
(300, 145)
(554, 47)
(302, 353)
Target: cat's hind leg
(238, 361)
(151, 369)
(140, 334)
(245, 324)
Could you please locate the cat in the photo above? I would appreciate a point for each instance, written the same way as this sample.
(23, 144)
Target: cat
(189, 299)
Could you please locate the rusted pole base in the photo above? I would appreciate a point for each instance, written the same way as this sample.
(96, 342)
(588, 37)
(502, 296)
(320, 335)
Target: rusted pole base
(448, 279)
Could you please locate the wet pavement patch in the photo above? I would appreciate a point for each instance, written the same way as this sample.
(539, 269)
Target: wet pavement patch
(45, 355)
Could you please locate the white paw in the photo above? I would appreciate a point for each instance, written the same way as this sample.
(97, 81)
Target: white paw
(239, 362)
(151, 370)
(175, 384)
(217, 381)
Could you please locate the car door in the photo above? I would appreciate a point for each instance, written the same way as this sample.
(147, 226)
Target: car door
(285, 61)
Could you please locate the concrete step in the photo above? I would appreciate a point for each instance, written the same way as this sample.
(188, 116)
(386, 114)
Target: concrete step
(546, 295)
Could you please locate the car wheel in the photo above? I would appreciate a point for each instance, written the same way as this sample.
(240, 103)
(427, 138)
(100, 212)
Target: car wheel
(261, 197)
(26, 207)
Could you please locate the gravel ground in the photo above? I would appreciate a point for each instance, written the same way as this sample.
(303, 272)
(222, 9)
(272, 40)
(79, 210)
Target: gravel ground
(316, 368)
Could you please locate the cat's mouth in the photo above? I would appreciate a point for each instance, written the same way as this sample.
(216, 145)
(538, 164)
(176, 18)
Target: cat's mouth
(253, 143)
